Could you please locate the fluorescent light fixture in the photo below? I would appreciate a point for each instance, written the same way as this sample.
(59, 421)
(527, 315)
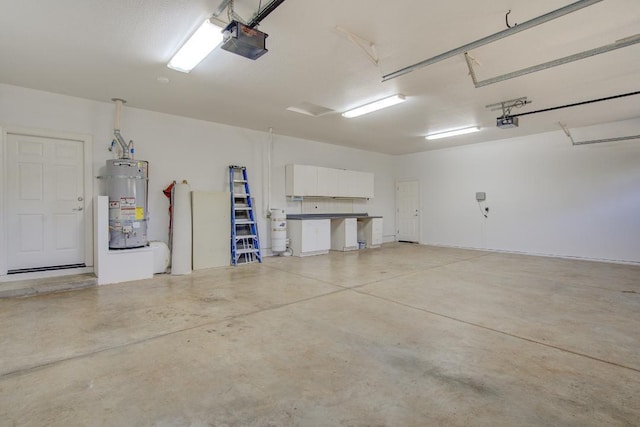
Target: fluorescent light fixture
(455, 132)
(201, 43)
(374, 106)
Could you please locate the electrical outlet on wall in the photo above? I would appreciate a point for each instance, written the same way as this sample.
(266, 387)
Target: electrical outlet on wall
(481, 196)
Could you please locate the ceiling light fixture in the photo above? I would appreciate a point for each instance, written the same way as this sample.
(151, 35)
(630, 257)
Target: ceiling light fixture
(374, 106)
(454, 132)
(201, 43)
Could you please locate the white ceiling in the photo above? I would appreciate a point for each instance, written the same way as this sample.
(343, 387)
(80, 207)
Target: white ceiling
(99, 49)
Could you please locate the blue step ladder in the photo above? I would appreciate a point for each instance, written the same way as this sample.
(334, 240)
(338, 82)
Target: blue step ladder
(245, 244)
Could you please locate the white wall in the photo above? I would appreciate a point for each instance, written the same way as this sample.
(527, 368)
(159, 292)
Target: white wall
(179, 148)
(545, 195)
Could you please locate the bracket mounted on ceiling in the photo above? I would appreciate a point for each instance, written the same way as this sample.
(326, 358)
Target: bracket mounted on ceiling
(507, 121)
(255, 21)
(365, 45)
(507, 106)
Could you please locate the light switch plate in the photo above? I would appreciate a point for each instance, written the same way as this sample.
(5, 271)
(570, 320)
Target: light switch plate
(481, 196)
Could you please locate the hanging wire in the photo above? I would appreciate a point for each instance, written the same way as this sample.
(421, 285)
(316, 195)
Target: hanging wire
(506, 20)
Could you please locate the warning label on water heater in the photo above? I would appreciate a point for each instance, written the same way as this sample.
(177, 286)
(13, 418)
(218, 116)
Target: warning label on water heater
(128, 208)
(124, 209)
(127, 202)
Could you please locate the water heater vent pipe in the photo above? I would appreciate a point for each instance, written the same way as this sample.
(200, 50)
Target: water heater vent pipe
(116, 128)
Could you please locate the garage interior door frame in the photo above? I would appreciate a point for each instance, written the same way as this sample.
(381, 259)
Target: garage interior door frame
(87, 144)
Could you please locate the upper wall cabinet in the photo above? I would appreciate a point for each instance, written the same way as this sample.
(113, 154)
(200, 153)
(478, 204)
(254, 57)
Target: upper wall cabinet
(315, 181)
(301, 180)
(328, 182)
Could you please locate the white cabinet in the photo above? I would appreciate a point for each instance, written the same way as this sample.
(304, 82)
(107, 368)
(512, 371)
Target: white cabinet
(309, 236)
(327, 182)
(315, 181)
(346, 183)
(364, 184)
(370, 230)
(301, 180)
(344, 234)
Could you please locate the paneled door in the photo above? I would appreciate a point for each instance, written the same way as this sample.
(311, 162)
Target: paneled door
(45, 203)
(408, 211)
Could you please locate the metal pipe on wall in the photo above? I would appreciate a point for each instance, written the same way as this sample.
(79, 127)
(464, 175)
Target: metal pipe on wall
(494, 37)
(116, 128)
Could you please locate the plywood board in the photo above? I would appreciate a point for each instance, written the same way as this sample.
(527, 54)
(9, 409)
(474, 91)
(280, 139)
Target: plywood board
(211, 229)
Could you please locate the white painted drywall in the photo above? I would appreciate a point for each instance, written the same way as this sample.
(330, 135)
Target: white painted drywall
(544, 195)
(179, 148)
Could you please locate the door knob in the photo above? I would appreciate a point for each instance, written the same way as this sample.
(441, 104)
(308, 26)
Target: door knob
(80, 199)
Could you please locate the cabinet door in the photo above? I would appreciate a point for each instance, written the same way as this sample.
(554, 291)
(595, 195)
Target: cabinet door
(316, 235)
(362, 185)
(327, 182)
(350, 232)
(346, 180)
(366, 185)
(301, 180)
(308, 238)
(355, 184)
(323, 234)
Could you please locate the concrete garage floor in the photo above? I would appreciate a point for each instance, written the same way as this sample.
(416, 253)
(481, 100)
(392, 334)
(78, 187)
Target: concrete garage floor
(404, 335)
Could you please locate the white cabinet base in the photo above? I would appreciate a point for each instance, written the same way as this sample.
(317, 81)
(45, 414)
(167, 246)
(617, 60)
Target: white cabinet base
(309, 236)
(370, 230)
(344, 234)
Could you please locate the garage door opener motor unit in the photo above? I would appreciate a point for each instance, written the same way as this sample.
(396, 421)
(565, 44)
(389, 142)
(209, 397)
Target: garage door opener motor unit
(244, 40)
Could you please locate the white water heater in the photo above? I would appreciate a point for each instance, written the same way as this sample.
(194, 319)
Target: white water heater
(278, 231)
(127, 190)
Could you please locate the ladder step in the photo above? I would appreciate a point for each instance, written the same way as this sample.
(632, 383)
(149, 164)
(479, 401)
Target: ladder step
(245, 236)
(239, 181)
(244, 222)
(240, 196)
(247, 251)
(243, 208)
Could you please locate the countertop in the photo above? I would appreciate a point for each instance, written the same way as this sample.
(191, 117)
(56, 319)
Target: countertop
(330, 216)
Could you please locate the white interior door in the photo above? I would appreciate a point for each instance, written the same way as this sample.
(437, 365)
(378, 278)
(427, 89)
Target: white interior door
(45, 202)
(408, 211)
